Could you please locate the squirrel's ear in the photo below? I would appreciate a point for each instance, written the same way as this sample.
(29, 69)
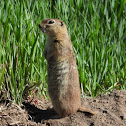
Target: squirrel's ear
(61, 23)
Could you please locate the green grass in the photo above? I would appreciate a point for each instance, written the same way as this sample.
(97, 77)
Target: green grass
(98, 33)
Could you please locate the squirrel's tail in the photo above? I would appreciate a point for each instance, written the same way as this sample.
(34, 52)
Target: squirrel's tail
(85, 110)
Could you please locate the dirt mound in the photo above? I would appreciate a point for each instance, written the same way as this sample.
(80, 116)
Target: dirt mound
(110, 111)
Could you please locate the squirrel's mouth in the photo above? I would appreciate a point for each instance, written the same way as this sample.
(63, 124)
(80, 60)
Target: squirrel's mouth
(42, 29)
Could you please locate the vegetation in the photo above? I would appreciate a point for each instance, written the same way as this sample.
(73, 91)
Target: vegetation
(98, 33)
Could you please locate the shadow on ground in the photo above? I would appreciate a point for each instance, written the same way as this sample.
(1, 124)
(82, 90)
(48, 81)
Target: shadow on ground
(37, 114)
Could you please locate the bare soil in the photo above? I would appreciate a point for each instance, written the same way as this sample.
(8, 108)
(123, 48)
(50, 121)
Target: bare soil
(110, 111)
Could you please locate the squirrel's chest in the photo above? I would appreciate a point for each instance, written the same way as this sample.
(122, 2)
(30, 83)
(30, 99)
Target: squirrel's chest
(58, 72)
(52, 51)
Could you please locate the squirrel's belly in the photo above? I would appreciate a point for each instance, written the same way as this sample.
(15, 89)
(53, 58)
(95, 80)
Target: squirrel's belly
(58, 77)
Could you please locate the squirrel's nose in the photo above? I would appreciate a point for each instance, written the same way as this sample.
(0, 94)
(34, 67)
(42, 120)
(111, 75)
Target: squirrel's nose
(39, 26)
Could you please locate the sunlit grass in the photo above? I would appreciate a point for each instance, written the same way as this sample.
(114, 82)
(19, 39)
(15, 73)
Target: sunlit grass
(98, 33)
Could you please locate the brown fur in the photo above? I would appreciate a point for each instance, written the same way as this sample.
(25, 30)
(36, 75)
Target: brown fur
(63, 78)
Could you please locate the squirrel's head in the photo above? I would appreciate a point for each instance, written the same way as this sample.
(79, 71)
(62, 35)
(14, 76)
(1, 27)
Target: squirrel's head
(53, 27)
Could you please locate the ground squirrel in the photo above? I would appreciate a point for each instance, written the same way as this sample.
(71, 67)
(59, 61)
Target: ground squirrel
(63, 79)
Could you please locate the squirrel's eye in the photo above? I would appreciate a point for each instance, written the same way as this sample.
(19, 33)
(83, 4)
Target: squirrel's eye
(61, 23)
(51, 22)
